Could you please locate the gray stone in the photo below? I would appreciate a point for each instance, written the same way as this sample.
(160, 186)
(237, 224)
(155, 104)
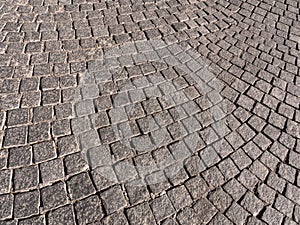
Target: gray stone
(19, 156)
(180, 197)
(42, 113)
(237, 214)
(220, 199)
(204, 210)
(6, 206)
(43, 151)
(38, 132)
(80, 186)
(66, 145)
(115, 218)
(113, 199)
(252, 204)
(26, 204)
(271, 216)
(53, 196)
(51, 170)
(17, 117)
(61, 215)
(88, 210)
(140, 214)
(162, 207)
(38, 220)
(15, 136)
(25, 178)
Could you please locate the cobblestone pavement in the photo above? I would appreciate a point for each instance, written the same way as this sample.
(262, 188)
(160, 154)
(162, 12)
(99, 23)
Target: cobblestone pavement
(149, 112)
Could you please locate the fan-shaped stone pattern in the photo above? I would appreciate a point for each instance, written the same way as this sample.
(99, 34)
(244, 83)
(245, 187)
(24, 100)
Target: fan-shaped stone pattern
(252, 46)
(141, 111)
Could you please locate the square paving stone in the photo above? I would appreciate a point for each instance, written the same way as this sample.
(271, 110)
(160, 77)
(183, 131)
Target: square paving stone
(213, 177)
(63, 215)
(228, 168)
(80, 125)
(108, 134)
(179, 150)
(38, 132)
(284, 205)
(19, 156)
(272, 216)
(237, 214)
(209, 156)
(103, 103)
(53, 196)
(293, 193)
(113, 199)
(252, 204)
(204, 210)
(80, 186)
(26, 204)
(98, 156)
(43, 151)
(137, 191)
(235, 189)
(162, 207)
(241, 159)
(144, 164)
(220, 199)
(248, 179)
(276, 182)
(176, 174)
(120, 151)
(63, 110)
(188, 216)
(103, 177)
(67, 145)
(180, 197)
(42, 113)
(258, 169)
(125, 170)
(51, 170)
(17, 117)
(50, 97)
(5, 181)
(89, 139)
(287, 172)
(88, 210)
(61, 128)
(25, 177)
(15, 136)
(74, 163)
(140, 214)
(85, 107)
(194, 165)
(197, 187)
(6, 206)
(99, 120)
(269, 160)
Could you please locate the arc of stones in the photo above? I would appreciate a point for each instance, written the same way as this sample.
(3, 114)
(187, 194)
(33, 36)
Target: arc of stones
(112, 70)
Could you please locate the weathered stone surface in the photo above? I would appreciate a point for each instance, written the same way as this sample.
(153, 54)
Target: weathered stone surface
(149, 112)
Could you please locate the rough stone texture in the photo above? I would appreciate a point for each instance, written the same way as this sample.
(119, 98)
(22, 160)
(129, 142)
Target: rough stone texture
(116, 78)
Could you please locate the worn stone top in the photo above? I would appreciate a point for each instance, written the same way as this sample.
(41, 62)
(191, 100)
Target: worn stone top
(149, 112)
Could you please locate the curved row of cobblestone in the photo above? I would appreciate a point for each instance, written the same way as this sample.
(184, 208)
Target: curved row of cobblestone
(149, 112)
